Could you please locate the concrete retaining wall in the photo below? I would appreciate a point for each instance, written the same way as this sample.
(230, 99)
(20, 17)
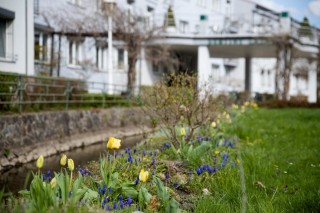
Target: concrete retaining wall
(24, 137)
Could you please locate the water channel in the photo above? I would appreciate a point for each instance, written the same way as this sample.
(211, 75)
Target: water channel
(14, 178)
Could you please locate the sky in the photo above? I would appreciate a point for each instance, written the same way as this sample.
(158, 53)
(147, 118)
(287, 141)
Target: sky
(297, 8)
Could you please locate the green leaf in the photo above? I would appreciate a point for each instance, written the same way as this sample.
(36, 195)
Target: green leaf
(130, 191)
(144, 196)
(90, 195)
(161, 190)
(173, 206)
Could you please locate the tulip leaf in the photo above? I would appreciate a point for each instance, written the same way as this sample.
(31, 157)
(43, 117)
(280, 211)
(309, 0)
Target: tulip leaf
(161, 190)
(129, 191)
(144, 196)
(173, 206)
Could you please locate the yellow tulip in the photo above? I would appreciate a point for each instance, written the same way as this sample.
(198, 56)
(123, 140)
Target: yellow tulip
(63, 160)
(254, 105)
(113, 143)
(214, 124)
(144, 175)
(40, 161)
(227, 116)
(70, 165)
(182, 132)
(53, 182)
(235, 106)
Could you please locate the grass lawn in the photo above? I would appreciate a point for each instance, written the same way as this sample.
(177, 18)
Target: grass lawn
(280, 150)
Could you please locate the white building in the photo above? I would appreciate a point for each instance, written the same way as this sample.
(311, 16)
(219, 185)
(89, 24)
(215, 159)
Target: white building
(16, 36)
(217, 39)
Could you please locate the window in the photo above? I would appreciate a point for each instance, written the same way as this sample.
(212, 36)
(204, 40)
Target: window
(216, 5)
(41, 46)
(101, 58)
(202, 3)
(216, 72)
(6, 38)
(76, 2)
(120, 58)
(3, 26)
(183, 26)
(155, 67)
(75, 54)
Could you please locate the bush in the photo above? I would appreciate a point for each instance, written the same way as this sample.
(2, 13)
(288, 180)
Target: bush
(8, 85)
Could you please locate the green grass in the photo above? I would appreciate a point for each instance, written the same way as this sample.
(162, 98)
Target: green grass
(280, 151)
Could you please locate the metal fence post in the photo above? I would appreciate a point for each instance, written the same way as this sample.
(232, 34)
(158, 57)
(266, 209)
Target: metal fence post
(103, 95)
(20, 93)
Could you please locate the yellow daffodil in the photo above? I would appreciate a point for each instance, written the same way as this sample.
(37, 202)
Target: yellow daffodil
(225, 113)
(53, 182)
(144, 175)
(216, 152)
(113, 143)
(63, 160)
(40, 161)
(238, 160)
(247, 103)
(182, 132)
(214, 124)
(70, 165)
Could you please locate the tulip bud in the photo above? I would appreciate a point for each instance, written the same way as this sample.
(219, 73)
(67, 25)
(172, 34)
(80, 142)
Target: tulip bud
(40, 161)
(182, 132)
(63, 160)
(70, 165)
(53, 182)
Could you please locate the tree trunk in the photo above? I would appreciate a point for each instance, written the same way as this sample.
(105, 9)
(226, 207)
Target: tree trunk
(277, 74)
(318, 76)
(131, 75)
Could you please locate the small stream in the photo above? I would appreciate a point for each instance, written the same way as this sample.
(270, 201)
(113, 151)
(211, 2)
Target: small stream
(14, 178)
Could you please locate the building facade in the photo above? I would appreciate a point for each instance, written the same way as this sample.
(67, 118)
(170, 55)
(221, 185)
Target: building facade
(217, 39)
(16, 36)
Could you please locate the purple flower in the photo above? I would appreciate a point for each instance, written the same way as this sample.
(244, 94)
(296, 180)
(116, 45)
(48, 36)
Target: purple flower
(120, 198)
(199, 171)
(122, 204)
(134, 150)
(167, 145)
(231, 144)
(155, 153)
(153, 172)
(110, 190)
(115, 205)
(108, 208)
(99, 190)
(176, 184)
(129, 200)
(167, 175)
(137, 181)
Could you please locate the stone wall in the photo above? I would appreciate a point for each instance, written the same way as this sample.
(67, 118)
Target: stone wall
(24, 137)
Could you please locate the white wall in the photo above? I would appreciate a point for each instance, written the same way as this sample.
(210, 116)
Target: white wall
(23, 37)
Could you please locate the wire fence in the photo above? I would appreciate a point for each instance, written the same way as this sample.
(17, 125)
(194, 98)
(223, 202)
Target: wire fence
(27, 93)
